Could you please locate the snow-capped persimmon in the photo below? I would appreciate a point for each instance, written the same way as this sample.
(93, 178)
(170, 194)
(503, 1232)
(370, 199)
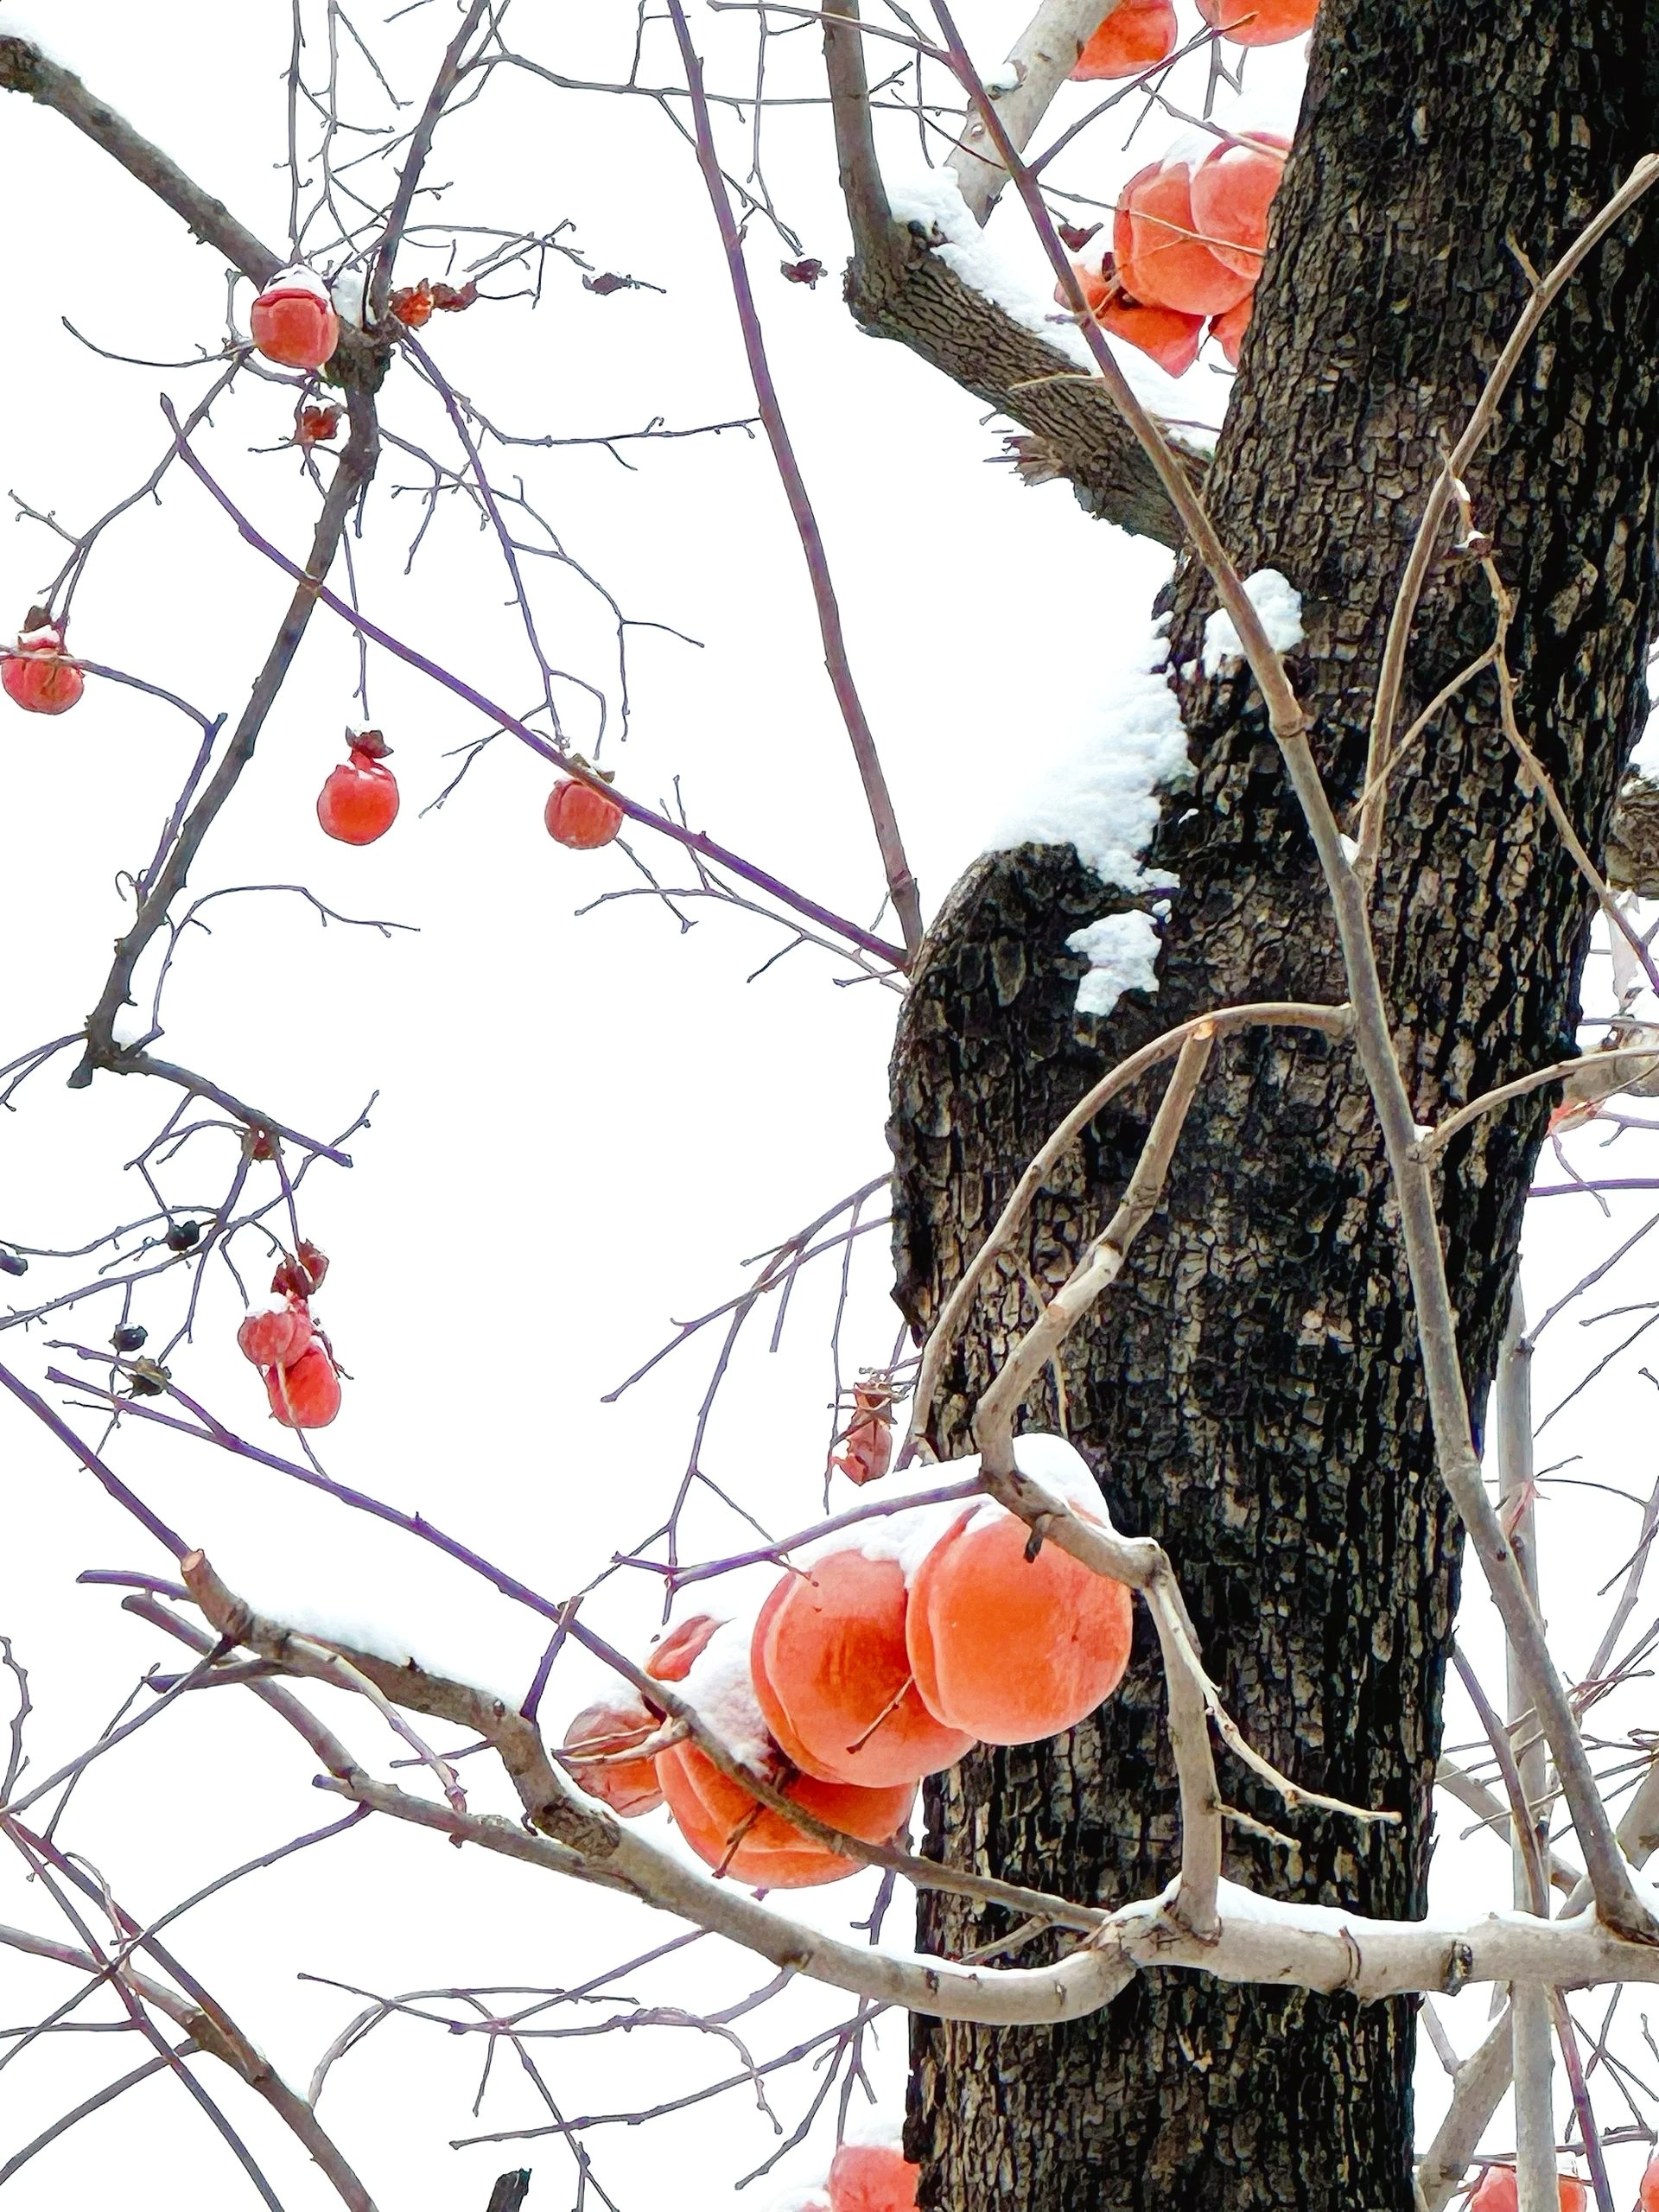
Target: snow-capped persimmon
(276, 1333)
(1500, 2192)
(872, 2178)
(1161, 259)
(359, 800)
(734, 1834)
(1259, 23)
(671, 1660)
(1012, 1648)
(599, 1731)
(832, 1673)
(37, 675)
(1231, 192)
(1227, 330)
(578, 816)
(307, 1394)
(1137, 36)
(293, 320)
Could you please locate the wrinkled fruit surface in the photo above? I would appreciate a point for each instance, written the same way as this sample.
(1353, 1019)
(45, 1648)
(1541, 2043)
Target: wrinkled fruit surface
(276, 1339)
(630, 1788)
(582, 818)
(307, 1394)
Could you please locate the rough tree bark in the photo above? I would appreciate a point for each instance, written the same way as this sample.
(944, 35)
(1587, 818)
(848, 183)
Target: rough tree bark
(1251, 1394)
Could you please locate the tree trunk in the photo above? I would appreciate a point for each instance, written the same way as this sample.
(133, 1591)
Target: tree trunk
(1251, 1394)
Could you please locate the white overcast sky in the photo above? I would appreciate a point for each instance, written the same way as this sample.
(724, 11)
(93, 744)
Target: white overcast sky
(582, 1125)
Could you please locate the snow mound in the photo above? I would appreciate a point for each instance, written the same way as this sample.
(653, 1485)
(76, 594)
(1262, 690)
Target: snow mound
(1278, 603)
(1123, 954)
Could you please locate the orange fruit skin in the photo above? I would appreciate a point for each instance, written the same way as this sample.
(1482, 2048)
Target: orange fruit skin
(1133, 38)
(307, 1394)
(294, 327)
(1161, 261)
(1271, 23)
(708, 1809)
(1231, 192)
(1012, 1649)
(582, 818)
(671, 1660)
(1170, 338)
(631, 1790)
(1647, 2189)
(869, 2178)
(41, 684)
(1227, 330)
(359, 801)
(829, 1658)
(1500, 2192)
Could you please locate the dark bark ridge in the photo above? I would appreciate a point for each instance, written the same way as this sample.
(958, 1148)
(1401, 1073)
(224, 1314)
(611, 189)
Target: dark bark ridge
(1251, 1394)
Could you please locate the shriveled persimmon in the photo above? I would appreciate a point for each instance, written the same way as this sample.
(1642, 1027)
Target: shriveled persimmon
(671, 1660)
(578, 816)
(1231, 192)
(832, 1672)
(731, 1831)
(872, 2178)
(1137, 35)
(275, 1334)
(37, 675)
(1259, 23)
(1009, 1648)
(1161, 258)
(599, 1731)
(307, 1394)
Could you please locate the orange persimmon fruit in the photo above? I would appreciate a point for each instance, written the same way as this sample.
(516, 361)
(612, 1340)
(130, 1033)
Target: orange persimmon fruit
(1259, 23)
(670, 1661)
(359, 800)
(1161, 259)
(734, 1833)
(37, 673)
(871, 2177)
(608, 1725)
(1500, 2192)
(1009, 1648)
(1231, 192)
(832, 1675)
(1227, 330)
(1170, 338)
(307, 1394)
(293, 320)
(578, 816)
(1137, 36)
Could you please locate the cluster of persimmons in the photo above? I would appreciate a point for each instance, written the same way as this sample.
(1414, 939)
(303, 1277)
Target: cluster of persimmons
(1189, 231)
(883, 1659)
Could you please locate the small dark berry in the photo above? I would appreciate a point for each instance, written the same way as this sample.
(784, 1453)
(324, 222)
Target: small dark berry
(131, 1336)
(183, 1236)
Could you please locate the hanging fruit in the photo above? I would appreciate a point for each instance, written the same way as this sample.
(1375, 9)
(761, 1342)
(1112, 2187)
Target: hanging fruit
(1138, 35)
(275, 1334)
(1009, 1648)
(37, 675)
(833, 1676)
(307, 1394)
(732, 1831)
(1232, 189)
(1160, 258)
(578, 816)
(293, 320)
(1259, 23)
(872, 2178)
(359, 800)
(602, 1730)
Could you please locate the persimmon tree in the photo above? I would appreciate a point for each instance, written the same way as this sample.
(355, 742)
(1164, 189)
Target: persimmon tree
(1218, 1087)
